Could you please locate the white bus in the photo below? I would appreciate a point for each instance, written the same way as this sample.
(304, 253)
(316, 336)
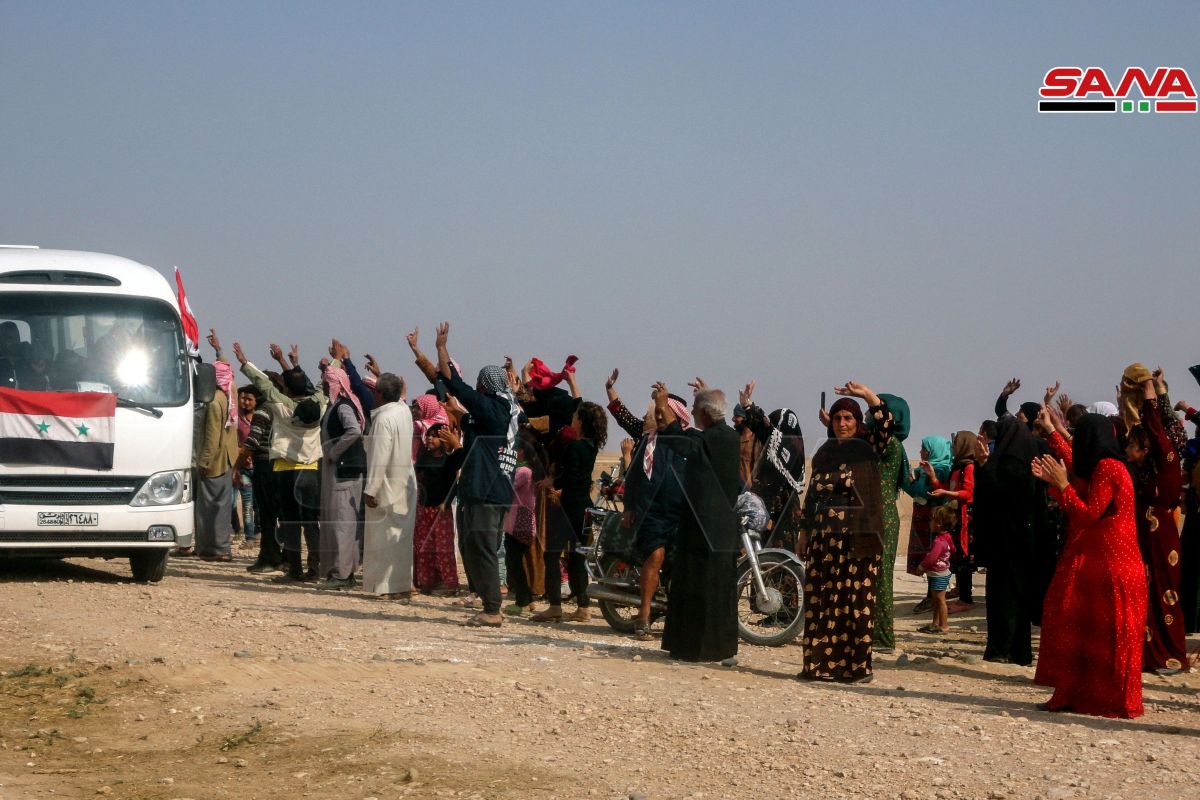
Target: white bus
(97, 393)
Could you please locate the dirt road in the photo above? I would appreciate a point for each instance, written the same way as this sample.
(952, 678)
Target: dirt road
(218, 684)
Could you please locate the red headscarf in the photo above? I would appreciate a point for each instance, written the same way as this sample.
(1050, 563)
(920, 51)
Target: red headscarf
(432, 413)
(685, 421)
(339, 387)
(540, 376)
(225, 384)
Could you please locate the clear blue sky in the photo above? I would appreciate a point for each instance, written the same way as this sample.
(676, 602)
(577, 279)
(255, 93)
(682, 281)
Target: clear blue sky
(790, 192)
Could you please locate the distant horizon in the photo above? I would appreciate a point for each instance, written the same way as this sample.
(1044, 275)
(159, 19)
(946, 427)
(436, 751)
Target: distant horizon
(798, 196)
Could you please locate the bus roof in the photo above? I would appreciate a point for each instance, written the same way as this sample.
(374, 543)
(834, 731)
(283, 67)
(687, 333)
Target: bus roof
(25, 269)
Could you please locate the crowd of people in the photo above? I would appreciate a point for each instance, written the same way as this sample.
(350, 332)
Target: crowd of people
(1072, 510)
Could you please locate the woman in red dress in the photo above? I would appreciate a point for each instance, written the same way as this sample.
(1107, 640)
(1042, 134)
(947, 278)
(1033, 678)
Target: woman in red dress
(1094, 615)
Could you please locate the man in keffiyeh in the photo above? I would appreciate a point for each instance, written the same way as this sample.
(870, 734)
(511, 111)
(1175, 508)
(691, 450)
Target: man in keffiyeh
(653, 493)
(217, 452)
(343, 468)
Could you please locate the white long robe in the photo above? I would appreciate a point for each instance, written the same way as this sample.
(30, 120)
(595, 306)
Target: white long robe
(392, 481)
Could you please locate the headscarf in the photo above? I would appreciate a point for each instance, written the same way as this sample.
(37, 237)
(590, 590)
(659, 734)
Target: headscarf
(781, 465)
(1014, 443)
(540, 376)
(901, 425)
(679, 409)
(846, 404)
(339, 386)
(494, 381)
(225, 384)
(940, 457)
(1131, 394)
(1095, 439)
(964, 448)
(901, 415)
(432, 413)
(1031, 411)
(1104, 408)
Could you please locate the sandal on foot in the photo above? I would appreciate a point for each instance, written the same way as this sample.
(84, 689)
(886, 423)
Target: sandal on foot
(641, 631)
(932, 629)
(478, 621)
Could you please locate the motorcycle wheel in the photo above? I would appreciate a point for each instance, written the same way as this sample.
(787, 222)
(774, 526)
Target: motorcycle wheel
(619, 617)
(787, 577)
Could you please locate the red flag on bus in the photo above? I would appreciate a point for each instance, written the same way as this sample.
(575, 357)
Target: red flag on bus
(190, 329)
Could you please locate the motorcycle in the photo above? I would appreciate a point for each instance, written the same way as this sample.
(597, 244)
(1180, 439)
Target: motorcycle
(770, 580)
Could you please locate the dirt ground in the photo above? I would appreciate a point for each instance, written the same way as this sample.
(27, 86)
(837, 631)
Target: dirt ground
(219, 684)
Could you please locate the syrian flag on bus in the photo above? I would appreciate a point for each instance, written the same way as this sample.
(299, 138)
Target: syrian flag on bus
(191, 330)
(60, 429)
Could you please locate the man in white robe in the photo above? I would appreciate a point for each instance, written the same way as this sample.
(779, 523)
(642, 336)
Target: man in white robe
(390, 494)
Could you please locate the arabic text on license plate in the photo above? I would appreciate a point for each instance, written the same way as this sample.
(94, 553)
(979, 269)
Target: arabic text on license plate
(67, 519)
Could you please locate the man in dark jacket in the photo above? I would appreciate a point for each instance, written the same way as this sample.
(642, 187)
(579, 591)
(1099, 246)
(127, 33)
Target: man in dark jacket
(485, 483)
(702, 615)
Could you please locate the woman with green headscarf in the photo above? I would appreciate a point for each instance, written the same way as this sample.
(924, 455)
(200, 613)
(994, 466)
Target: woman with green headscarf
(937, 460)
(893, 469)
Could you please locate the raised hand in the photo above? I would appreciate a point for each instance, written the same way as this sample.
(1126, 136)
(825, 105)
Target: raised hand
(214, 341)
(1160, 381)
(443, 333)
(1182, 405)
(698, 385)
(372, 365)
(1011, 387)
(1051, 391)
(981, 450)
(412, 339)
(1044, 422)
(659, 392)
(239, 355)
(276, 352)
(294, 355)
(612, 379)
(824, 417)
(627, 447)
(745, 395)
(1064, 404)
(338, 350)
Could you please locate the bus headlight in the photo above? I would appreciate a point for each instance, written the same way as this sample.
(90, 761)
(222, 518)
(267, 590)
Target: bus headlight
(164, 489)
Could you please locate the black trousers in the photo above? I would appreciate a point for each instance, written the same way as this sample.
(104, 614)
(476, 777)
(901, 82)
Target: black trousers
(266, 509)
(514, 563)
(962, 577)
(480, 528)
(299, 493)
(576, 578)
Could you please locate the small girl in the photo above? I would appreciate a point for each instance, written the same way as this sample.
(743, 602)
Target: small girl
(936, 566)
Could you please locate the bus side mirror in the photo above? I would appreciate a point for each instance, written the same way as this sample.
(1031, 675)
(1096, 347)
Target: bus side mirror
(204, 383)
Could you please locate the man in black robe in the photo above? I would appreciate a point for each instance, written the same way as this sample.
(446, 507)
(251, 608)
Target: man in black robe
(702, 613)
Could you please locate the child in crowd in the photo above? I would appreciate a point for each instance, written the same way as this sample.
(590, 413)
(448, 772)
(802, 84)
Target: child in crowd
(936, 566)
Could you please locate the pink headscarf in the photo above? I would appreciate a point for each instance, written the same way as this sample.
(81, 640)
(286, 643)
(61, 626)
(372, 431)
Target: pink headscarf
(540, 376)
(225, 384)
(685, 422)
(339, 386)
(432, 413)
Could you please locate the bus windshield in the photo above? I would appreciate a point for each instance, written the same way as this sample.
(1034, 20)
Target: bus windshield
(60, 342)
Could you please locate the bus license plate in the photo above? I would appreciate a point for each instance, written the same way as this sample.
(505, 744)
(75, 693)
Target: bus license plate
(67, 519)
